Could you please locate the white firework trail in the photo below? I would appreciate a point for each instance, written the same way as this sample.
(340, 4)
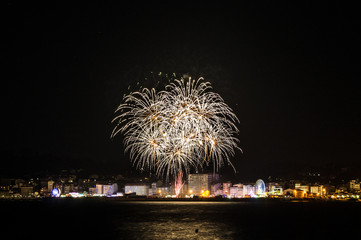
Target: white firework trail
(181, 128)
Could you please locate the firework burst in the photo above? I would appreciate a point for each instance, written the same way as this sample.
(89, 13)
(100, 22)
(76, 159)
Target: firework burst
(184, 127)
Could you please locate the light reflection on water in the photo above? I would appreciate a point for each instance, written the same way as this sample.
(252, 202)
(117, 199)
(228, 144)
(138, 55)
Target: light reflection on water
(107, 219)
(176, 220)
(234, 220)
(183, 203)
(180, 229)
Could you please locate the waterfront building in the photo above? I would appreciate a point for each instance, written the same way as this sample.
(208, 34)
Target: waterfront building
(249, 190)
(226, 188)
(329, 188)
(106, 189)
(341, 189)
(99, 188)
(43, 183)
(288, 192)
(163, 191)
(153, 189)
(137, 188)
(354, 185)
(159, 189)
(26, 190)
(272, 185)
(236, 191)
(299, 193)
(202, 182)
(216, 189)
(5, 183)
(110, 189)
(305, 188)
(19, 183)
(219, 192)
(44, 191)
(198, 183)
(213, 178)
(317, 190)
(92, 190)
(276, 191)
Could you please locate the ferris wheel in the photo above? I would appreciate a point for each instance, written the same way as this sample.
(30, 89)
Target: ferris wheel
(56, 192)
(260, 188)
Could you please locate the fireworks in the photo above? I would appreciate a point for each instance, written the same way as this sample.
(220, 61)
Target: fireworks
(184, 127)
(178, 183)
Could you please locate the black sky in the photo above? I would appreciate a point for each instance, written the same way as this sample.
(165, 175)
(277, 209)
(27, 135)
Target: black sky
(290, 72)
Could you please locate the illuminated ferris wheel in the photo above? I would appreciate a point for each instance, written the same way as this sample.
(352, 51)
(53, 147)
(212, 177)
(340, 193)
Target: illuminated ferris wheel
(56, 192)
(260, 188)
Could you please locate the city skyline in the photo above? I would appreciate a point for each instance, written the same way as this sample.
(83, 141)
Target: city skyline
(205, 185)
(289, 72)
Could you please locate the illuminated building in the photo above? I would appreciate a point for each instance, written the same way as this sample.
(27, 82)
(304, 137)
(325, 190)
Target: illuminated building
(197, 183)
(19, 182)
(213, 178)
(317, 190)
(236, 191)
(106, 189)
(92, 190)
(341, 189)
(218, 192)
(288, 192)
(162, 191)
(354, 185)
(302, 187)
(299, 193)
(99, 188)
(184, 190)
(138, 189)
(226, 188)
(201, 182)
(275, 191)
(249, 191)
(110, 189)
(216, 189)
(44, 191)
(50, 185)
(26, 190)
(205, 193)
(66, 189)
(157, 188)
(153, 189)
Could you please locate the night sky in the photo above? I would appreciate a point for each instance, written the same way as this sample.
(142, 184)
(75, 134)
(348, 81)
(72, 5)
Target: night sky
(291, 73)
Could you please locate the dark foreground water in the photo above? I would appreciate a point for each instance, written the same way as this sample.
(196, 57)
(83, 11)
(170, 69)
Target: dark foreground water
(105, 219)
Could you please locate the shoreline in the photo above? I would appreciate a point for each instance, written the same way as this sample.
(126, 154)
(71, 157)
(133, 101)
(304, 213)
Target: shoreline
(225, 200)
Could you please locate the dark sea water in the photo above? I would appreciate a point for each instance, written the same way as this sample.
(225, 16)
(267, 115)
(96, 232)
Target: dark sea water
(107, 219)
